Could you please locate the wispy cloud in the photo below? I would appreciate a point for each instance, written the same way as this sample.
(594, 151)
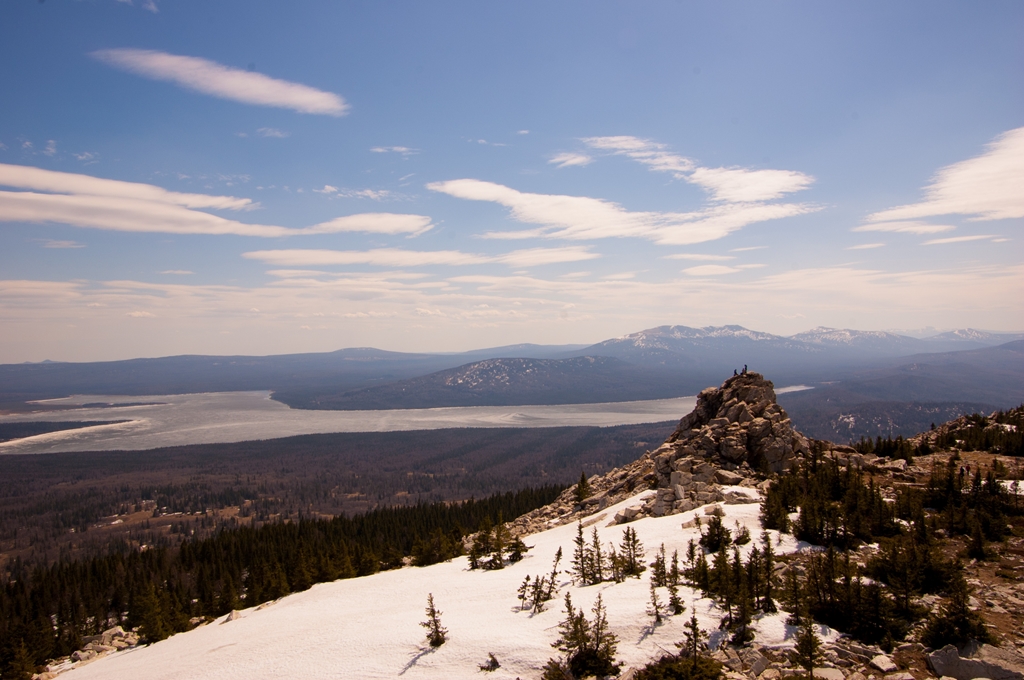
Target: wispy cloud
(906, 227)
(394, 257)
(141, 315)
(866, 246)
(733, 185)
(579, 217)
(51, 243)
(569, 159)
(51, 147)
(272, 132)
(402, 150)
(225, 82)
(986, 187)
(960, 239)
(177, 272)
(85, 201)
(699, 257)
(710, 270)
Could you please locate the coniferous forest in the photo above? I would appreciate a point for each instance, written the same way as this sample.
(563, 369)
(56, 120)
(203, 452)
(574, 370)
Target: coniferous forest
(46, 610)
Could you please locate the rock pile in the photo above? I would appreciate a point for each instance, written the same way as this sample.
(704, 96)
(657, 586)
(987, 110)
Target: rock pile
(736, 432)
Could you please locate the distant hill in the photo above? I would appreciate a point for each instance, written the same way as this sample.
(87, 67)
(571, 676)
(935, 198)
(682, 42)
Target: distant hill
(503, 382)
(908, 394)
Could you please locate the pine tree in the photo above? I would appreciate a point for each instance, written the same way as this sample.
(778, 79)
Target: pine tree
(767, 604)
(580, 567)
(675, 605)
(523, 591)
(659, 571)
(552, 578)
(437, 635)
(631, 552)
(808, 646)
(673, 572)
(956, 622)
(693, 639)
(582, 491)
(596, 559)
(654, 607)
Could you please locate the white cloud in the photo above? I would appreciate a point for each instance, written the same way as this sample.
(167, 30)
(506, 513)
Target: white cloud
(568, 160)
(394, 257)
(746, 249)
(272, 132)
(151, 6)
(85, 156)
(578, 217)
(328, 189)
(403, 150)
(523, 132)
(224, 82)
(651, 154)
(84, 201)
(738, 185)
(710, 270)
(732, 185)
(51, 147)
(960, 239)
(986, 187)
(699, 257)
(904, 227)
(177, 272)
(50, 243)
(26, 144)
(141, 315)
(866, 246)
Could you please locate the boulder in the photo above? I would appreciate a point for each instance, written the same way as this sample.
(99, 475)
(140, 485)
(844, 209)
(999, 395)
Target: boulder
(727, 477)
(884, 664)
(829, 674)
(987, 662)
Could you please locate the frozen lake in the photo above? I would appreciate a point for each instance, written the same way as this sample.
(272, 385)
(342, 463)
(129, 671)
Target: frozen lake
(155, 421)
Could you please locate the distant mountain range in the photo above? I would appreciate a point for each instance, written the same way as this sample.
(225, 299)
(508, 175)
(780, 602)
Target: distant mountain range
(879, 381)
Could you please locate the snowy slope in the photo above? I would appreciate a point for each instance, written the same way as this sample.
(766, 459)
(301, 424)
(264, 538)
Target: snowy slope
(368, 627)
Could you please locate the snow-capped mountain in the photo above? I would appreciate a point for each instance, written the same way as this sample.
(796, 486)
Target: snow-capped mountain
(877, 342)
(969, 338)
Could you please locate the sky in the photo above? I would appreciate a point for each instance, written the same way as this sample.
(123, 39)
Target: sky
(247, 177)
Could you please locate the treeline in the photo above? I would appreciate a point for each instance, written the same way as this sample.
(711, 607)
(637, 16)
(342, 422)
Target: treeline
(875, 603)
(893, 448)
(1003, 433)
(43, 498)
(46, 610)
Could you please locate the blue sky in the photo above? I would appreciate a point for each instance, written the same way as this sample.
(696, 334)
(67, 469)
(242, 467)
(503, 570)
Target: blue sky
(253, 177)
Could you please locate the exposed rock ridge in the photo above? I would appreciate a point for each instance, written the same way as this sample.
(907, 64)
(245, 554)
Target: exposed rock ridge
(735, 436)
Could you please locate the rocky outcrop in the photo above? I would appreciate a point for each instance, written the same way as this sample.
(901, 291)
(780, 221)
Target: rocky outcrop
(986, 662)
(736, 434)
(739, 423)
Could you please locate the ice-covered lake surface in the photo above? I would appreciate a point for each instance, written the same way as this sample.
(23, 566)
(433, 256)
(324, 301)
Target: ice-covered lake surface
(155, 421)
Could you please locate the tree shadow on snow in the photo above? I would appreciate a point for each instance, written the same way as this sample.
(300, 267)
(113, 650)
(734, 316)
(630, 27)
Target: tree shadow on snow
(414, 660)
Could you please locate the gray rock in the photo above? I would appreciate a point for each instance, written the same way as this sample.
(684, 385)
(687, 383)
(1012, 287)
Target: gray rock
(902, 675)
(726, 477)
(988, 662)
(829, 674)
(884, 664)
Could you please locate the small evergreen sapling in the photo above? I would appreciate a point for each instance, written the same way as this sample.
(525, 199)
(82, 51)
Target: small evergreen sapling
(437, 634)
(808, 646)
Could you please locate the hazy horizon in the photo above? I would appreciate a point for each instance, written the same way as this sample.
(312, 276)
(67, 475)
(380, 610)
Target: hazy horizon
(257, 179)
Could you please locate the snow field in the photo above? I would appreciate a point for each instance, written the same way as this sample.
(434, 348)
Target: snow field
(369, 627)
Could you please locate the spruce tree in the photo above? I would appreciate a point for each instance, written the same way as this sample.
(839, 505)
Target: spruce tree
(808, 647)
(596, 559)
(582, 491)
(437, 635)
(654, 606)
(693, 639)
(581, 557)
(631, 551)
